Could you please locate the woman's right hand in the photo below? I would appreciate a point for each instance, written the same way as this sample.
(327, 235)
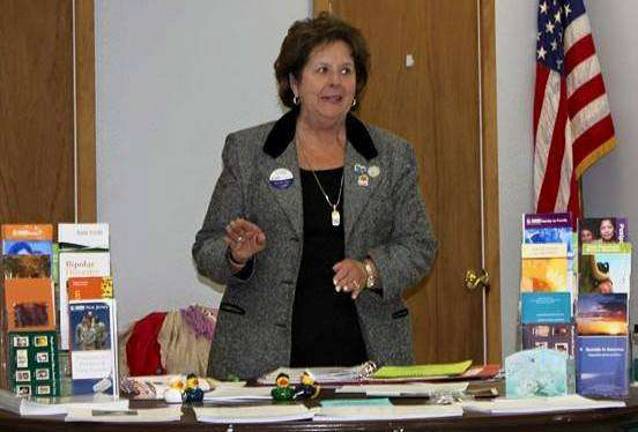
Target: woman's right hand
(244, 239)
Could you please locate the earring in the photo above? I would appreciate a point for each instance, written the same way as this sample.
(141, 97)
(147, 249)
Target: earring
(354, 102)
(295, 100)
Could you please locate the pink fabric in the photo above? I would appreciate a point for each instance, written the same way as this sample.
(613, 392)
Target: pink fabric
(201, 320)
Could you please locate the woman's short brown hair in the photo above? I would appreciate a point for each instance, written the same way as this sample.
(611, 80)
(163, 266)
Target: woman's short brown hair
(304, 36)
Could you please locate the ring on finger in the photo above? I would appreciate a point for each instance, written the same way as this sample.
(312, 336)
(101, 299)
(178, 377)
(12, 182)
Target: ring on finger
(240, 239)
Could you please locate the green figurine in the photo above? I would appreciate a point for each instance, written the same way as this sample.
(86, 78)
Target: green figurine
(283, 391)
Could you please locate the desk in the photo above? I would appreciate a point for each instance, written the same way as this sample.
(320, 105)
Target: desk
(624, 419)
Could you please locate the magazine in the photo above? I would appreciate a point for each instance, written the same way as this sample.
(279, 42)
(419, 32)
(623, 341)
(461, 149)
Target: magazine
(605, 268)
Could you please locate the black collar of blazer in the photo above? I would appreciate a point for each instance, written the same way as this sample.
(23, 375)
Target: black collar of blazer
(283, 133)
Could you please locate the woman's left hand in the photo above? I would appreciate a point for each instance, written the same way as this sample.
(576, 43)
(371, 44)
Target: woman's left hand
(350, 276)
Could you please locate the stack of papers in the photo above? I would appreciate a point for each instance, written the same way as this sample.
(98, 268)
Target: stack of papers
(230, 393)
(150, 415)
(253, 414)
(540, 405)
(394, 412)
(405, 390)
(57, 405)
(11, 402)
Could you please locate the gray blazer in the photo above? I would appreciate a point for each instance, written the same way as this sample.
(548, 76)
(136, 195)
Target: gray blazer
(385, 220)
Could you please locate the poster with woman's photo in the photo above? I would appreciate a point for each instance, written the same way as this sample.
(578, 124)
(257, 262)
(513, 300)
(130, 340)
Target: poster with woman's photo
(603, 230)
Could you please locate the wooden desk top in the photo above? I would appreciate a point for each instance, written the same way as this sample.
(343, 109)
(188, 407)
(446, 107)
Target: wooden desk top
(619, 419)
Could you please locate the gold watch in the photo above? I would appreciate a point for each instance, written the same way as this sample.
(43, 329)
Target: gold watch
(371, 274)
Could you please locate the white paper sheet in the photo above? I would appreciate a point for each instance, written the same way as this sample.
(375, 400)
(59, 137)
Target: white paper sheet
(231, 393)
(396, 412)
(149, 415)
(540, 405)
(253, 414)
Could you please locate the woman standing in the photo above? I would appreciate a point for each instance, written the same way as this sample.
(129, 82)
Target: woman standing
(316, 225)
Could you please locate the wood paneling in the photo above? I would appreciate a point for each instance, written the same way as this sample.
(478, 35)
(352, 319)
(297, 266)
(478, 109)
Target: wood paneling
(320, 6)
(435, 105)
(36, 111)
(85, 76)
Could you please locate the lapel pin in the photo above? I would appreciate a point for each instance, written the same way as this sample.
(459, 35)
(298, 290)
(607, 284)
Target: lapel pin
(374, 171)
(359, 169)
(281, 178)
(363, 180)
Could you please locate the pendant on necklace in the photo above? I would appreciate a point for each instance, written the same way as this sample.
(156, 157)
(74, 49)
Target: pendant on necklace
(336, 217)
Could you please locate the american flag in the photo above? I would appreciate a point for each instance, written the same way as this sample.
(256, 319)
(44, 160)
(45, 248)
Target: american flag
(572, 121)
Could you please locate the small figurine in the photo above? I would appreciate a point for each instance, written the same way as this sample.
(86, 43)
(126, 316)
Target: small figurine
(283, 391)
(193, 393)
(187, 389)
(307, 389)
(192, 381)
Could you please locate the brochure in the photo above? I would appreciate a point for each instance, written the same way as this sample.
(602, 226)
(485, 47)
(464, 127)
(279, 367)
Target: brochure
(602, 366)
(93, 346)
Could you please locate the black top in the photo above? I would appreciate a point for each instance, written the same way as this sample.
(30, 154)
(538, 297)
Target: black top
(325, 325)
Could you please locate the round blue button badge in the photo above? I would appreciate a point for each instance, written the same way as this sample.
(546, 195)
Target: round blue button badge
(281, 178)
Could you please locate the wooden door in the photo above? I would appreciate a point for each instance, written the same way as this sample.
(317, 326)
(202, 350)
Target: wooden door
(47, 163)
(36, 167)
(424, 85)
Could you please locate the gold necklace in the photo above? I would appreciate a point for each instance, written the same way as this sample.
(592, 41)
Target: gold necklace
(335, 216)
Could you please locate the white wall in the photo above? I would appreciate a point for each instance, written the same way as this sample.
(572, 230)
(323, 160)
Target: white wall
(610, 185)
(515, 66)
(173, 78)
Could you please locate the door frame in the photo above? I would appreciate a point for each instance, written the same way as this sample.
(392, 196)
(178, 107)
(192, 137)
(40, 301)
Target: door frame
(491, 224)
(86, 190)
